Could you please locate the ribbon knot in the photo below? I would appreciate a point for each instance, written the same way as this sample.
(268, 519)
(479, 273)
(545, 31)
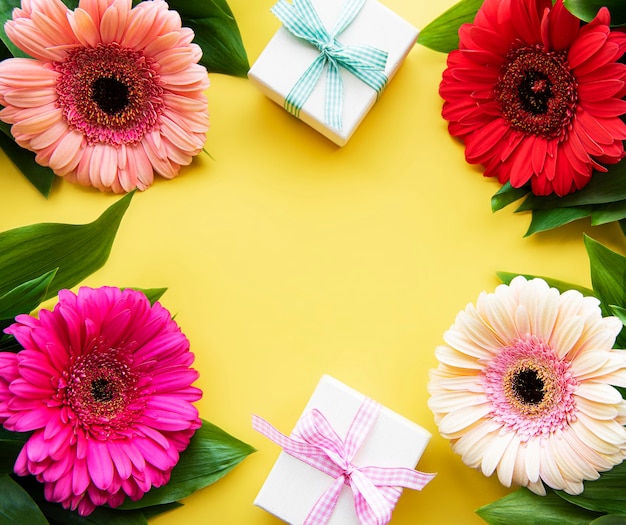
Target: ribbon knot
(365, 62)
(375, 489)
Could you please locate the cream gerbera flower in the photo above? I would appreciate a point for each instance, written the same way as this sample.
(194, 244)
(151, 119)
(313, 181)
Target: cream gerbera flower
(523, 387)
(112, 94)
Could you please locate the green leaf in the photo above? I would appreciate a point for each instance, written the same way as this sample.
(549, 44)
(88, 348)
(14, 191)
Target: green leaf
(211, 454)
(603, 188)
(543, 220)
(10, 445)
(76, 250)
(605, 494)
(610, 519)
(26, 297)
(153, 294)
(442, 34)
(150, 512)
(16, 506)
(6, 12)
(217, 34)
(608, 274)
(525, 508)
(610, 212)
(100, 516)
(561, 286)
(506, 195)
(56, 514)
(39, 176)
(587, 9)
(619, 312)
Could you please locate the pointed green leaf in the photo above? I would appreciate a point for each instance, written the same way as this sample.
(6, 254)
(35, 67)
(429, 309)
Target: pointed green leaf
(153, 294)
(150, 512)
(56, 514)
(9, 344)
(10, 445)
(561, 286)
(525, 508)
(16, 506)
(39, 176)
(76, 250)
(217, 34)
(603, 495)
(603, 188)
(26, 297)
(610, 519)
(608, 274)
(543, 220)
(100, 516)
(6, 12)
(211, 454)
(442, 34)
(619, 312)
(610, 212)
(587, 9)
(506, 195)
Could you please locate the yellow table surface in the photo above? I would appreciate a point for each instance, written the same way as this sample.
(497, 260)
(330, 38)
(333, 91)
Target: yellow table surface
(286, 258)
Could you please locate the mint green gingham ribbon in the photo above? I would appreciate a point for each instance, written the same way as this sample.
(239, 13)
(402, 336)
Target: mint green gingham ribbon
(365, 62)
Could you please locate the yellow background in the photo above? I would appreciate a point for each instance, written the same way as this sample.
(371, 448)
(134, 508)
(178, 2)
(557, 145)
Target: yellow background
(287, 257)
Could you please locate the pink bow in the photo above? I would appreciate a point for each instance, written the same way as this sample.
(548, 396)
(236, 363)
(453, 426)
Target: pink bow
(315, 442)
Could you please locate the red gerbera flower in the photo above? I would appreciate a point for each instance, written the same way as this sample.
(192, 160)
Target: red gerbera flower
(536, 95)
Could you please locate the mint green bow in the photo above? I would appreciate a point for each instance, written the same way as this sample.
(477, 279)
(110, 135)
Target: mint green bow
(365, 62)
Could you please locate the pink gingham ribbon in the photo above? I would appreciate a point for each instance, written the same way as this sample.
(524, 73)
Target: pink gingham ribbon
(314, 441)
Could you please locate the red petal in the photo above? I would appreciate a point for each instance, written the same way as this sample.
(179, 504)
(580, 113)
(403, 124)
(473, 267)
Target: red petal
(600, 90)
(527, 20)
(549, 168)
(586, 47)
(541, 186)
(521, 168)
(589, 145)
(606, 109)
(594, 128)
(562, 28)
(608, 53)
(563, 183)
(484, 141)
(539, 154)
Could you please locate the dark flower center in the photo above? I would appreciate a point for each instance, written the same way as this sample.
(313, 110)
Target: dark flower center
(102, 390)
(537, 92)
(110, 95)
(528, 386)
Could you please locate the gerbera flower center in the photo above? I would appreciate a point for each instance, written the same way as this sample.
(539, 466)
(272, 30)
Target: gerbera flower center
(530, 388)
(536, 91)
(102, 390)
(110, 94)
(527, 386)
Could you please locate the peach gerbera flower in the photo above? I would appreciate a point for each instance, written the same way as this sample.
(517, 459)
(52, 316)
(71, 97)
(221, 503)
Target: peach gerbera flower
(111, 95)
(523, 387)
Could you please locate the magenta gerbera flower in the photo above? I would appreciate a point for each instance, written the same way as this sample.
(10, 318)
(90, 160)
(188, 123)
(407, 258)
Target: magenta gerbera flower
(536, 95)
(105, 385)
(111, 95)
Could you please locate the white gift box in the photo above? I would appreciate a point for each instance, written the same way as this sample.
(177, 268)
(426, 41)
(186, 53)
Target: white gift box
(292, 487)
(287, 57)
